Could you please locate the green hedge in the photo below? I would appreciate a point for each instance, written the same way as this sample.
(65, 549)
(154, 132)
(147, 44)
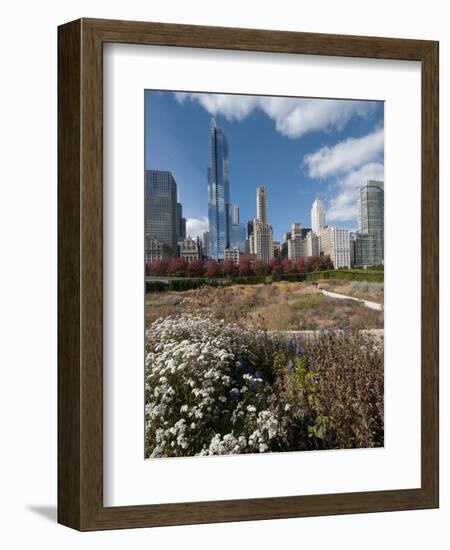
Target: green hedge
(190, 284)
(346, 275)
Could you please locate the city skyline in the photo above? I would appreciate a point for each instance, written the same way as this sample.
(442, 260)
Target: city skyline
(336, 157)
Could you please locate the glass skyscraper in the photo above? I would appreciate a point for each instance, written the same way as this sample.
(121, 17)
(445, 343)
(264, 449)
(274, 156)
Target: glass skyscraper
(161, 212)
(237, 230)
(371, 216)
(218, 194)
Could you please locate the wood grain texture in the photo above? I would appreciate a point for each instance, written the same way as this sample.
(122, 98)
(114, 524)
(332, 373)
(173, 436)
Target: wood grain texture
(69, 245)
(80, 241)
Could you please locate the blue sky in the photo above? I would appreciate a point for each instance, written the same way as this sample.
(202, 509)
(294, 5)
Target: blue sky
(298, 148)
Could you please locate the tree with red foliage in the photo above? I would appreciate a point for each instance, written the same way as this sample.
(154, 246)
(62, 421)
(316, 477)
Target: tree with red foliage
(213, 269)
(287, 266)
(275, 266)
(246, 268)
(178, 267)
(158, 267)
(300, 266)
(325, 263)
(228, 268)
(261, 268)
(196, 268)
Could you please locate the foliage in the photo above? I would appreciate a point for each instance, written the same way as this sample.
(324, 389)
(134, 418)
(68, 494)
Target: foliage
(229, 269)
(196, 268)
(207, 388)
(218, 388)
(177, 267)
(245, 268)
(213, 269)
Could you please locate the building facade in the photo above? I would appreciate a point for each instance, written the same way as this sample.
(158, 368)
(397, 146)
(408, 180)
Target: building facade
(156, 250)
(261, 240)
(181, 222)
(335, 242)
(363, 249)
(161, 212)
(371, 216)
(312, 244)
(232, 254)
(218, 194)
(317, 216)
(261, 204)
(189, 250)
(205, 243)
(237, 230)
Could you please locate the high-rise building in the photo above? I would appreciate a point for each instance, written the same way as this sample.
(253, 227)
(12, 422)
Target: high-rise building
(296, 246)
(181, 222)
(205, 241)
(261, 242)
(277, 250)
(161, 213)
(317, 216)
(335, 242)
(363, 249)
(312, 244)
(218, 193)
(371, 216)
(261, 204)
(237, 230)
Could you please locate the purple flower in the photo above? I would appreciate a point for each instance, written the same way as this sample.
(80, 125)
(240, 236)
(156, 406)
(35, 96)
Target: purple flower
(313, 379)
(291, 366)
(310, 367)
(258, 374)
(300, 351)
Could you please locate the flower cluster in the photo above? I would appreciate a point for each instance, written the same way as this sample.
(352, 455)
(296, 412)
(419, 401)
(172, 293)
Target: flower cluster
(208, 388)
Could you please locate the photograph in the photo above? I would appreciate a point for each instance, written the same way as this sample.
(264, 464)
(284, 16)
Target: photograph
(264, 274)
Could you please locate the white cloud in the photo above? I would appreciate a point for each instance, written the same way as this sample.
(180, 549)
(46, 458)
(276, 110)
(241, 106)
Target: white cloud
(232, 107)
(343, 207)
(293, 117)
(346, 155)
(196, 226)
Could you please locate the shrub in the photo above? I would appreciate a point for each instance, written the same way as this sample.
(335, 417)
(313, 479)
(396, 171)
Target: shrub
(246, 268)
(208, 388)
(213, 269)
(177, 267)
(229, 269)
(155, 286)
(196, 268)
(159, 267)
(334, 388)
(218, 388)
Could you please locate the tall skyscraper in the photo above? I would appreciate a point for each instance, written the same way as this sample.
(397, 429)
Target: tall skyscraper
(371, 216)
(218, 193)
(161, 212)
(262, 238)
(261, 204)
(205, 243)
(181, 223)
(237, 230)
(317, 216)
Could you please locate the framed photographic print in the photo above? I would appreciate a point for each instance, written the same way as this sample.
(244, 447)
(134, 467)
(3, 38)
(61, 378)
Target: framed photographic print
(248, 274)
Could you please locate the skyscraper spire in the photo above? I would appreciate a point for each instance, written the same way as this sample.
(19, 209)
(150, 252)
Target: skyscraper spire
(317, 216)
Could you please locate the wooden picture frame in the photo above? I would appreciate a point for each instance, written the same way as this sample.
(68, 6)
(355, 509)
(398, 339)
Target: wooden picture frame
(80, 272)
